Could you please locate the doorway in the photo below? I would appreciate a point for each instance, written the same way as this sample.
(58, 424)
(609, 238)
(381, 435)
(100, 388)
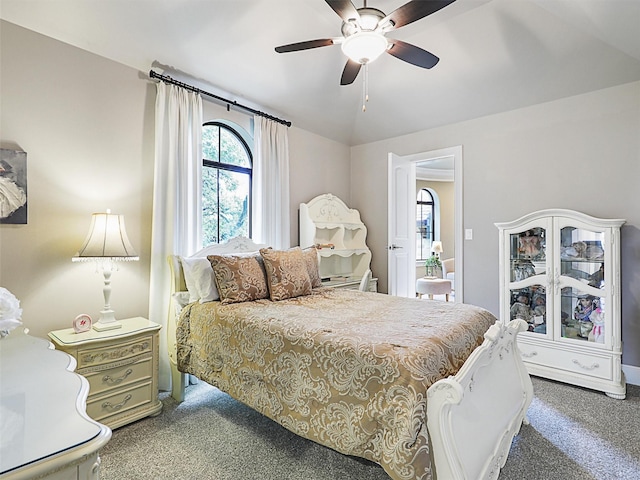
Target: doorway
(437, 165)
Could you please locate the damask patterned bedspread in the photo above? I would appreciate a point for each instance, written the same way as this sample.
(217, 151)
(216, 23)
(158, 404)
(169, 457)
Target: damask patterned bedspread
(347, 369)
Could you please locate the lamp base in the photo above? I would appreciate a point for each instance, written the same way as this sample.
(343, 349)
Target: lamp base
(101, 327)
(107, 321)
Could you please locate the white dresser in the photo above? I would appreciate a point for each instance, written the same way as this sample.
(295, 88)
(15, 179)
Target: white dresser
(350, 283)
(44, 429)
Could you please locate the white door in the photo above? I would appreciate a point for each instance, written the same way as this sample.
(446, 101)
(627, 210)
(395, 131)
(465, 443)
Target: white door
(402, 216)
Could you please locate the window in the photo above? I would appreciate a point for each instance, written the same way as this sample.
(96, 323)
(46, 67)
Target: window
(226, 184)
(425, 224)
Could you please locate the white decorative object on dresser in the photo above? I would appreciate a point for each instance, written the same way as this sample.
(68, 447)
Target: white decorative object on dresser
(121, 366)
(560, 271)
(45, 431)
(340, 236)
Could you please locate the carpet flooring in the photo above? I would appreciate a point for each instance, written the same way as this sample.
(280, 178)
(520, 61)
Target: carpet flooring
(574, 434)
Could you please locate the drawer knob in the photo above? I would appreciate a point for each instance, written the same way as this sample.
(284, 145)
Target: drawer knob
(116, 381)
(117, 406)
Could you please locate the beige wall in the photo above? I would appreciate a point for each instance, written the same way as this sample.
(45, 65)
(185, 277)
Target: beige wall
(317, 166)
(580, 153)
(87, 125)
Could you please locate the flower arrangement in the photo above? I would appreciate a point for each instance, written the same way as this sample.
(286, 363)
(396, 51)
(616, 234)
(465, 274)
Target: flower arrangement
(432, 263)
(10, 312)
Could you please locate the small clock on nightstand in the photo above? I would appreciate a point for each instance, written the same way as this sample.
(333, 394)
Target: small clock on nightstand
(121, 367)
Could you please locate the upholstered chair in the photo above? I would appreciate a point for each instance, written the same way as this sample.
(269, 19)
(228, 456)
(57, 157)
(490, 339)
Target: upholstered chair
(448, 267)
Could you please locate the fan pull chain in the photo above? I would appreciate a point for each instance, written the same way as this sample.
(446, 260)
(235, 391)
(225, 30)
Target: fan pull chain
(365, 88)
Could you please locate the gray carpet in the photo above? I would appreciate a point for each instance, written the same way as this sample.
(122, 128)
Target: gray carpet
(575, 434)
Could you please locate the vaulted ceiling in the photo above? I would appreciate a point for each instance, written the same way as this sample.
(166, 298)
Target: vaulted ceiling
(495, 55)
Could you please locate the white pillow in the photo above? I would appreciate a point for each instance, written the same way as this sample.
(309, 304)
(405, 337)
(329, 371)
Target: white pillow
(198, 275)
(181, 300)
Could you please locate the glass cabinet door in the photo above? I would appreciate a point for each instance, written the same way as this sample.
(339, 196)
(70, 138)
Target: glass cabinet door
(582, 284)
(528, 278)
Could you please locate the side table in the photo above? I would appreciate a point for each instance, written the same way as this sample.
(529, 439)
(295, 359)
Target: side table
(121, 366)
(433, 286)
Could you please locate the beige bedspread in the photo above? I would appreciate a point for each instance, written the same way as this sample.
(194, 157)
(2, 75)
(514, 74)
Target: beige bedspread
(347, 369)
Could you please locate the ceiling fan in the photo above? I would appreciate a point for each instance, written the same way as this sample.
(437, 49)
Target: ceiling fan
(364, 35)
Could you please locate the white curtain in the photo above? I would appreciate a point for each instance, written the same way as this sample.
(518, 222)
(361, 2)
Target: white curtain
(177, 199)
(271, 221)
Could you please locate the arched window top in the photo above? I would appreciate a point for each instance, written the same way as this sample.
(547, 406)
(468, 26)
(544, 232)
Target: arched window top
(426, 223)
(424, 196)
(226, 182)
(221, 143)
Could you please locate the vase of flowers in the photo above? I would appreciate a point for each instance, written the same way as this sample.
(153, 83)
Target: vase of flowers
(432, 264)
(10, 312)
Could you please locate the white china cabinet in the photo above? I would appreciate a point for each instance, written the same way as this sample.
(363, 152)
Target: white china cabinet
(560, 271)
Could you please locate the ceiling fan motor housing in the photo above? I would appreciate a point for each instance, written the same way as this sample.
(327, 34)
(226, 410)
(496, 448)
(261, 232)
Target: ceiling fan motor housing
(369, 20)
(364, 37)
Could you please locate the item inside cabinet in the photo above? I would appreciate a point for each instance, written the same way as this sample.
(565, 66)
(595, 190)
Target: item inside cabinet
(530, 304)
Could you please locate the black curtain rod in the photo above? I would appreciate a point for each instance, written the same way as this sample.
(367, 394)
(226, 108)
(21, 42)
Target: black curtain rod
(168, 79)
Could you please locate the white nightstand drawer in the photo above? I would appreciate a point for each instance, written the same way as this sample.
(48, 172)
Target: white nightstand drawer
(114, 353)
(125, 399)
(119, 377)
(583, 363)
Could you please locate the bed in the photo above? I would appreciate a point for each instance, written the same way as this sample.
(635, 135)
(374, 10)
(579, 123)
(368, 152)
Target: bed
(426, 389)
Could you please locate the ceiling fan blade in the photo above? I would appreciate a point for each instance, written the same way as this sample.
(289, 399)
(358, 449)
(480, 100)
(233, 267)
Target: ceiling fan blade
(350, 72)
(345, 9)
(294, 47)
(412, 54)
(414, 10)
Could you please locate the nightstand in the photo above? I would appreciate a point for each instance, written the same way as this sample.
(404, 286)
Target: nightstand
(121, 366)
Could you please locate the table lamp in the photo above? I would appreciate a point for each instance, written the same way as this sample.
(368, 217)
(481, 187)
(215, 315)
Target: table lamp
(106, 243)
(436, 247)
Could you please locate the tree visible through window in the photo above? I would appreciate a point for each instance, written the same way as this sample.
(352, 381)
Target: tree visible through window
(226, 184)
(425, 224)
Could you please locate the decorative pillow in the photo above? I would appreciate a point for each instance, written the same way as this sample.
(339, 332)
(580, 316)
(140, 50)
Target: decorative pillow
(313, 265)
(239, 278)
(287, 273)
(199, 278)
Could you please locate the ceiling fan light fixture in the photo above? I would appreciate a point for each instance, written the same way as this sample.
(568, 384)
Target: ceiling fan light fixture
(364, 47)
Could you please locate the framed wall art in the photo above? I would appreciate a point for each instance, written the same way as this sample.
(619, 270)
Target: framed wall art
(13, 186)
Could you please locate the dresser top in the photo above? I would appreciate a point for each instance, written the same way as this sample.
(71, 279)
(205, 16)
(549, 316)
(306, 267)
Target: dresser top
(130, 326)
(41, 403)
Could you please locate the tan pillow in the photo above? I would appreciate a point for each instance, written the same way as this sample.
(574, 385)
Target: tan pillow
(239, 278)
(287, 273)
(311, 260)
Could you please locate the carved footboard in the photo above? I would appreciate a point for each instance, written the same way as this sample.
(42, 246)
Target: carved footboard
(474, 415)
